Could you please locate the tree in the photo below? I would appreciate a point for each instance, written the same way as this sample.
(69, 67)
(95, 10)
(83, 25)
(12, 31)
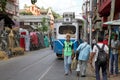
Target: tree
(25, 13)
(44, 27)
(3, 5)
(56, 15)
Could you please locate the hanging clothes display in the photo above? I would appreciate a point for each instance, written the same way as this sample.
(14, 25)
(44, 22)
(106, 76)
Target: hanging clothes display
(27, 41)
(22, 38)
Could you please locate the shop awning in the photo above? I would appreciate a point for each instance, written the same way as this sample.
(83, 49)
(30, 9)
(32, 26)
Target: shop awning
(114, 22)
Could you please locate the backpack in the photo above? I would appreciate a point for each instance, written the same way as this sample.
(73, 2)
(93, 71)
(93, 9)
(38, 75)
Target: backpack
(102, 55)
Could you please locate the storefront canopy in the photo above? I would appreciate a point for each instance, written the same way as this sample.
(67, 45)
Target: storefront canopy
(115, 22)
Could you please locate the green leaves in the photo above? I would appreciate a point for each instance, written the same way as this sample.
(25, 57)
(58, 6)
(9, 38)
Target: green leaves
(3, 5)
(56, 15)
(44, 27)
(25, 13)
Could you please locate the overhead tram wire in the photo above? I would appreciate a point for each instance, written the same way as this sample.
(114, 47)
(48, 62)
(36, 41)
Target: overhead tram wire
(73, 6)
(44, 3)
(68, 8)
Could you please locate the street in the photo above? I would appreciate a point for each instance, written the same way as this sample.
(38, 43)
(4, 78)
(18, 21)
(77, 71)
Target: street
(38, 65)
(30, 26)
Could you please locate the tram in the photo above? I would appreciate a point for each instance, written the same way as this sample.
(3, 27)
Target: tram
(68, 24)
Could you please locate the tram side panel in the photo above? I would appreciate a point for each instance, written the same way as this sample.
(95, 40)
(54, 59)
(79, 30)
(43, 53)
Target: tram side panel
(58, 47)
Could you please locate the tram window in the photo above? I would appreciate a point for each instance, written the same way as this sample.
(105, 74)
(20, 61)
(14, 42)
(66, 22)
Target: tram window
(67, 29)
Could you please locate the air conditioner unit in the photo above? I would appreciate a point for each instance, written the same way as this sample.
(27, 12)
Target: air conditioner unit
(69, 14)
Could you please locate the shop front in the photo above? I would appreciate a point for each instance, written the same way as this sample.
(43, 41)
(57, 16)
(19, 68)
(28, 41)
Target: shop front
(115, 29)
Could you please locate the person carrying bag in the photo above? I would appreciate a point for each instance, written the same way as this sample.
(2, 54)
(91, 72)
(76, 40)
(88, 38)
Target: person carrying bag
(83, 50)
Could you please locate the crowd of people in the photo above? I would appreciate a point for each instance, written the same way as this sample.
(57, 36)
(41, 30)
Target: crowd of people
(103, 57)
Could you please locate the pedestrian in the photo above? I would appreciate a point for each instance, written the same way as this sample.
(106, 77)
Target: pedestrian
(93, 42)
(51, 42)
(95, 55)
(105, 41)
(77, 55)
(84, 50)
(114, 56)
(46, 41)
(67, 54)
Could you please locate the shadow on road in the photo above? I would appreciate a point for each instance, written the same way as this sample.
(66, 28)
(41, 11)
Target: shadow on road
(60, 59)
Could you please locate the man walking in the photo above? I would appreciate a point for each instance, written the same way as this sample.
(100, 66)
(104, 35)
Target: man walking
(84, 50)
(98, 63)
(67, 53)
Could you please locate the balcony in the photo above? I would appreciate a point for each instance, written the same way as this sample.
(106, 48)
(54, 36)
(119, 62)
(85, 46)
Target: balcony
(104, 7)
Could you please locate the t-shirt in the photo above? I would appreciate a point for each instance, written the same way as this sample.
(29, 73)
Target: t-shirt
(114, 44)
(105, 41)
(95, 50)
(68, 46)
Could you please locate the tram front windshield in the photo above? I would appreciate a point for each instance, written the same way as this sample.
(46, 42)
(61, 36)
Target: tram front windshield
(67, 29)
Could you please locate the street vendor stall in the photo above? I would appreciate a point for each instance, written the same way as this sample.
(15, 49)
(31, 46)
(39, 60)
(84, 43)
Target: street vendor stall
(111, 24)
(5, 22)
(9, 38)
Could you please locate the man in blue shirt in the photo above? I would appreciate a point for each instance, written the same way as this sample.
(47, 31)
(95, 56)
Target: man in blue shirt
(84, 50)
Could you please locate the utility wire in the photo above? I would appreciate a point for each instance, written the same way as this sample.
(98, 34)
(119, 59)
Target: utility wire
(70, 7)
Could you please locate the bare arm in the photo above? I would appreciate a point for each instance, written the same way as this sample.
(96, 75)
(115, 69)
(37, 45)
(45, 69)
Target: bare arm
(91, 57)
(63, 53)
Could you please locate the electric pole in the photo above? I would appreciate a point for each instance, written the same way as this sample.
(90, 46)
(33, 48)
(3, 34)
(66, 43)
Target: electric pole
(90, 23)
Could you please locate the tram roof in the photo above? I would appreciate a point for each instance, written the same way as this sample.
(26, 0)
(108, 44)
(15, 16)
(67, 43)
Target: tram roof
(73, 20)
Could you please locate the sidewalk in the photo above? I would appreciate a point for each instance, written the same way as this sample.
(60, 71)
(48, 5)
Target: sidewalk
(115, 78)
(91, 75)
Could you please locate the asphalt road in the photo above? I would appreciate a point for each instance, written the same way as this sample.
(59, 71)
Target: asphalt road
(37, 65)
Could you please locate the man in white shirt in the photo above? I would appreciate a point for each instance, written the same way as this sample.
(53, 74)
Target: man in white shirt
(94, 55)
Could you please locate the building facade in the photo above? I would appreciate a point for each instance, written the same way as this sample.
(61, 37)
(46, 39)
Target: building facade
(101, 13)
(12, 7)
(36, 20)
(32, 22)
(96, 19)
(105, 10)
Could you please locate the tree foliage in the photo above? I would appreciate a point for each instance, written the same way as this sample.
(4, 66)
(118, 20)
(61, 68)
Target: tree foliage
(44, 27)
(56, 15)
(25, 13)
(3, 5)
